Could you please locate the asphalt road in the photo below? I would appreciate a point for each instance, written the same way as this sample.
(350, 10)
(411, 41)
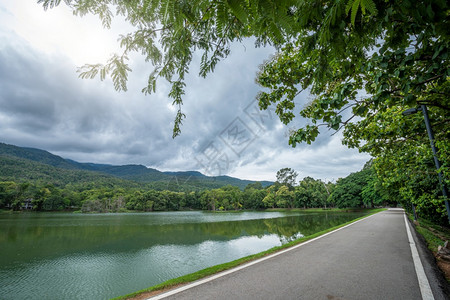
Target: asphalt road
(371, 259)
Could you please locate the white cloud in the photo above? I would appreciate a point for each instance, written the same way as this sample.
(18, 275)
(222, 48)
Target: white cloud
(81, 39)
(330, 161)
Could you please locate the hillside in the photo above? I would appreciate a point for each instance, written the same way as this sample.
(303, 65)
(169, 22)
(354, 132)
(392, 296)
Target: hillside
(36, 155)
(21, 169)
(22, 164)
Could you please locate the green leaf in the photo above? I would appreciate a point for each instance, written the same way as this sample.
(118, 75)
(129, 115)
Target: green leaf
(354, 5)
(238, 10)
(178, 122)
(51, 3)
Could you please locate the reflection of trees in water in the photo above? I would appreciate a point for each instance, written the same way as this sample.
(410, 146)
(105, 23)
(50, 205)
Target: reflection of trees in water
(287, 228)
(291, 228)
(52, 238)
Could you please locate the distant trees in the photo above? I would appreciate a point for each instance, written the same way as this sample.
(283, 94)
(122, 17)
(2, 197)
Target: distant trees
(104, 200)
(40, 196)
(360, 189)
(287, 177)
(269, 200)
(253, 198)
(312, 193)
(348, 191)
(225, 198)
(285, 197)
(12, 194)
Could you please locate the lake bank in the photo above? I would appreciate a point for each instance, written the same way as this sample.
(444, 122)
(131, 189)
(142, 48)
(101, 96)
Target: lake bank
(305, 210)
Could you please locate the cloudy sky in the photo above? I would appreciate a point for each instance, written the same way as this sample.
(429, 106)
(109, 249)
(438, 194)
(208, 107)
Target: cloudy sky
(43, 104)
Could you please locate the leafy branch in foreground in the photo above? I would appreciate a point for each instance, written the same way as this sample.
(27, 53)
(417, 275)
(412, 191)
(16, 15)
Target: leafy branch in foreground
(168, 32)
(116, 67)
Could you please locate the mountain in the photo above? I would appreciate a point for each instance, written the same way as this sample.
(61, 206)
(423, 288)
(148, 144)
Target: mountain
(138, 173)
(22, 163)
(13, 168)
(36, 155)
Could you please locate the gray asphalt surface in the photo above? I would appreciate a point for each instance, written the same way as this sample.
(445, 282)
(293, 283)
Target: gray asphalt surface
(368, 260)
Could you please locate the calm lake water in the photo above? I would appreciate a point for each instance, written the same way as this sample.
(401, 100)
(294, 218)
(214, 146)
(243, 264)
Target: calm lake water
(100, 256)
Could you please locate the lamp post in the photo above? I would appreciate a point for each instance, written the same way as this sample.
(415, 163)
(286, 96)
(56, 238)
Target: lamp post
(433, 148)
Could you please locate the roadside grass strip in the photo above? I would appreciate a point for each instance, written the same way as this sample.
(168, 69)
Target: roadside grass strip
(424, 285)
(239, 264)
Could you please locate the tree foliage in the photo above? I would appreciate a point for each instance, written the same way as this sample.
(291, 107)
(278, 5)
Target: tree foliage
(312, 193)
(287, 177)
(348, 191)
(396, 57)
(360, 189)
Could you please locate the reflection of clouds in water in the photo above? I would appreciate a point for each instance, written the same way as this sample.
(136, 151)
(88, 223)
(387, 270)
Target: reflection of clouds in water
(285, 239)
(245, 246)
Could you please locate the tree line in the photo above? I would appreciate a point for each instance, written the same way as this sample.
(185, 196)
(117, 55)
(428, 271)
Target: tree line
(356, 190)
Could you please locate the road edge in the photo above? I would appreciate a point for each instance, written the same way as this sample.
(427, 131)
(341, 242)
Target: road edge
(424, 284)
(438, 283)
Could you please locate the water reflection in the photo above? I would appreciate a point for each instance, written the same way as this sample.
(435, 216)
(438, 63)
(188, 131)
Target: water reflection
(102, 256)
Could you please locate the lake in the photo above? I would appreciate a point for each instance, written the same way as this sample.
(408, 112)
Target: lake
(101, 256)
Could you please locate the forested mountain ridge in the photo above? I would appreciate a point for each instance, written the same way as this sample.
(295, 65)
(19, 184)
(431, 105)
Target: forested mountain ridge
(36, 155)
(22, 163)
(19, 169)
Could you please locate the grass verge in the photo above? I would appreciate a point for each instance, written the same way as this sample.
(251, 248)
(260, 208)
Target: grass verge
(434, 236)
(226, 266)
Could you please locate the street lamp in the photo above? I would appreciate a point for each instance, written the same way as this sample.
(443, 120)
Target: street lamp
(433, 148)
(410, 111)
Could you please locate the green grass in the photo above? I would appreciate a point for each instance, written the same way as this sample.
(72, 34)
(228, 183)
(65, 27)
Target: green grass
(226, 266)
(434, 235)
(9, 211)
(433, 241)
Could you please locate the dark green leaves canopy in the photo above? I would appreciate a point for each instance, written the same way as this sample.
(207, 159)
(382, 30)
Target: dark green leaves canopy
(397, 57)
